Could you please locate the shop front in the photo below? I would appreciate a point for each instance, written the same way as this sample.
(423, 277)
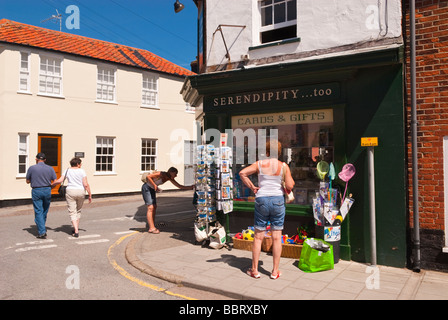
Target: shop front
(319, 110)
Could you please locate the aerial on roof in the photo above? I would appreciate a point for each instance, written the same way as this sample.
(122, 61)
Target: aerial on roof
(24, 34)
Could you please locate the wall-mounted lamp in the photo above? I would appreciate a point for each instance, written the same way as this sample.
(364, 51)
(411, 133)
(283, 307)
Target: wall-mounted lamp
(178, 7)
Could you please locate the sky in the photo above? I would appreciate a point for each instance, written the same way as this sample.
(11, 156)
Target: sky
(145, 24)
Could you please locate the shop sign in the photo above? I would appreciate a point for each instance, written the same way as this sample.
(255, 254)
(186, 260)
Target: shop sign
(369, 142)
(284, 118)
(285, 96)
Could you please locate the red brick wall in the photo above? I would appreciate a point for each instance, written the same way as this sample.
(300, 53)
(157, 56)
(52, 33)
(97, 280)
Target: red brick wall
(432, 107)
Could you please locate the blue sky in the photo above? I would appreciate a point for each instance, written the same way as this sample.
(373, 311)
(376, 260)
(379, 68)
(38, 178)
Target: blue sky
(147, 24)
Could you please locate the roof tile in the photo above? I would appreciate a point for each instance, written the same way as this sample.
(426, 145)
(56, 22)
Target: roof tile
(23, 34)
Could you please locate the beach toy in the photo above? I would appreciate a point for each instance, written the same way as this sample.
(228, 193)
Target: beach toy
(322, 169)
(248, 234)
(331, 176)
(347, 172)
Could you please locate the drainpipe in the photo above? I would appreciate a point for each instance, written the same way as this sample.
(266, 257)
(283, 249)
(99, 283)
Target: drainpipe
(414, 124)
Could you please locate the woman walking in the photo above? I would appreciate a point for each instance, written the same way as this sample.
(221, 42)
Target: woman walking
(76, 192)
(269, 204)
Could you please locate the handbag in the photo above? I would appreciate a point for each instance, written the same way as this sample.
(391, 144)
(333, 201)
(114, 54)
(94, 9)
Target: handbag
(316, 255)
(63, 189)
(289, 195)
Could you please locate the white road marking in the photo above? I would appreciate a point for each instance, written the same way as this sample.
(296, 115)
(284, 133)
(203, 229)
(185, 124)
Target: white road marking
(85, 236)
(36, 248)
(114, 219)
(92, 241)
(124, 232)
(34, 242)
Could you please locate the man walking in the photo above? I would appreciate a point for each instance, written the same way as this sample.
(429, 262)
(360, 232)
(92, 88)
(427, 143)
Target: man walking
(41, 176)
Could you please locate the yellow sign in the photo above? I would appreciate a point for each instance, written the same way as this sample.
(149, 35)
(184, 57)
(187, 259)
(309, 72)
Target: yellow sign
(369, 142)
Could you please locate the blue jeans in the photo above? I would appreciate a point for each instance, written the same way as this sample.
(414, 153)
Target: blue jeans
(149, 195)
(269, 209)
(41, 202)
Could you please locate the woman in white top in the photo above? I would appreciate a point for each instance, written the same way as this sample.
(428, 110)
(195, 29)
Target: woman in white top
(76, 192)
(269, 205)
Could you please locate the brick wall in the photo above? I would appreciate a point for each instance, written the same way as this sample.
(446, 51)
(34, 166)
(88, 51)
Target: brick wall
(432, 116)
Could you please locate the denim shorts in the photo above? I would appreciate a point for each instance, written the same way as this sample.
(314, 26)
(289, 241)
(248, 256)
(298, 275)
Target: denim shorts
(269, 209)
(149, 195)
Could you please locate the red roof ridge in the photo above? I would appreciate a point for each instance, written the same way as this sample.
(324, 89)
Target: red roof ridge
(115, 52)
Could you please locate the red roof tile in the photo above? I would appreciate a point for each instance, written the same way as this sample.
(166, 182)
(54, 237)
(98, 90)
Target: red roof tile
(24, 34)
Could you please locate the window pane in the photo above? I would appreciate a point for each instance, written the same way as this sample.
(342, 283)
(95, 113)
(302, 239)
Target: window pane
(266, 16)
(292, 11)
(279, 13)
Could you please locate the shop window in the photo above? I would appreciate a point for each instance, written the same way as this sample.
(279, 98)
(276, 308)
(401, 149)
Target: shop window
(278, 20)
(149, 155)
(306, 137)
(105, 154)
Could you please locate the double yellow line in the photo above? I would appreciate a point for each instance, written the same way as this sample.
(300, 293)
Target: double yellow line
(125, 274)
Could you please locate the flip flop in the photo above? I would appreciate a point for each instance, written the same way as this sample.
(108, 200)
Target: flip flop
(155, 231)
(252, 274)
(276, 276)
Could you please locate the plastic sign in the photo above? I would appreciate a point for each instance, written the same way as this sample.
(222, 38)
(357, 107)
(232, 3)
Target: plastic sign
(369, 142)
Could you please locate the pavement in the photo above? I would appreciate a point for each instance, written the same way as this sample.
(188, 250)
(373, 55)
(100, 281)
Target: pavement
(173, 255)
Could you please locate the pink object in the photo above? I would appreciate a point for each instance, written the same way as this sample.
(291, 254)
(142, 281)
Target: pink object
(347, 172)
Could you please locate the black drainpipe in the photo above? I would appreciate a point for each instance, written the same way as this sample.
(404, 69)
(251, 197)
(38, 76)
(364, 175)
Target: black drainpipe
(414, 124)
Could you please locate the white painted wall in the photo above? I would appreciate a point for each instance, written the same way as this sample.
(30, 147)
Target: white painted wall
(79, 119)
(321, 24)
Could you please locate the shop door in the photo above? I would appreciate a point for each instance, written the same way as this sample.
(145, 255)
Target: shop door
(51, 146)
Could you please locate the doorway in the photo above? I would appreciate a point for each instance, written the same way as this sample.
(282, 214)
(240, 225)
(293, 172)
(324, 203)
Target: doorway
(51, 146)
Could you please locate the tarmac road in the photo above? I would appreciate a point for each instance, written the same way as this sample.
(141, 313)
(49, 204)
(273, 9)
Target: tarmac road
(92, 266)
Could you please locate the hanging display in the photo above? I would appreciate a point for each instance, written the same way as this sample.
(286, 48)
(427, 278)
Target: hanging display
(214, 189)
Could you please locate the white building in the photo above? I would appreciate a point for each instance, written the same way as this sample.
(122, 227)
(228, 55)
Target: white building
(117, 107)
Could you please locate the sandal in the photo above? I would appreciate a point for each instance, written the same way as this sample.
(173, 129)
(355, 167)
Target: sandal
(253, 274)
(155, 231)
(276, 276)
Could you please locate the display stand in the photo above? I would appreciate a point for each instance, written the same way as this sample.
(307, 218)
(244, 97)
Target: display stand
(214, 186)
(329, 212)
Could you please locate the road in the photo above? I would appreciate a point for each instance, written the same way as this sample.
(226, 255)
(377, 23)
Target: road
(92, 266)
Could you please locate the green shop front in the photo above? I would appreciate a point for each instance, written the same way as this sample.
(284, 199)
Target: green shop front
(320, 110)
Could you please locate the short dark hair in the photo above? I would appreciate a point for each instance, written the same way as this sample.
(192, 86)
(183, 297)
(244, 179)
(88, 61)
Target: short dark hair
(75, 161)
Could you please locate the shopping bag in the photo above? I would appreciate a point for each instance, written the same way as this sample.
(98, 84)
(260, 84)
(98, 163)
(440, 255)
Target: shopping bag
(316, 255)
(217, 236)
(200, 231)
(289, 195)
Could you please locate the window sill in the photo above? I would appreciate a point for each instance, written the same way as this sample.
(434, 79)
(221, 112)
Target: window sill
(150, 107)
(104, 173)
(48, 95)
(274, 44)
(107, 102)
(445, 249)
(24, 92)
